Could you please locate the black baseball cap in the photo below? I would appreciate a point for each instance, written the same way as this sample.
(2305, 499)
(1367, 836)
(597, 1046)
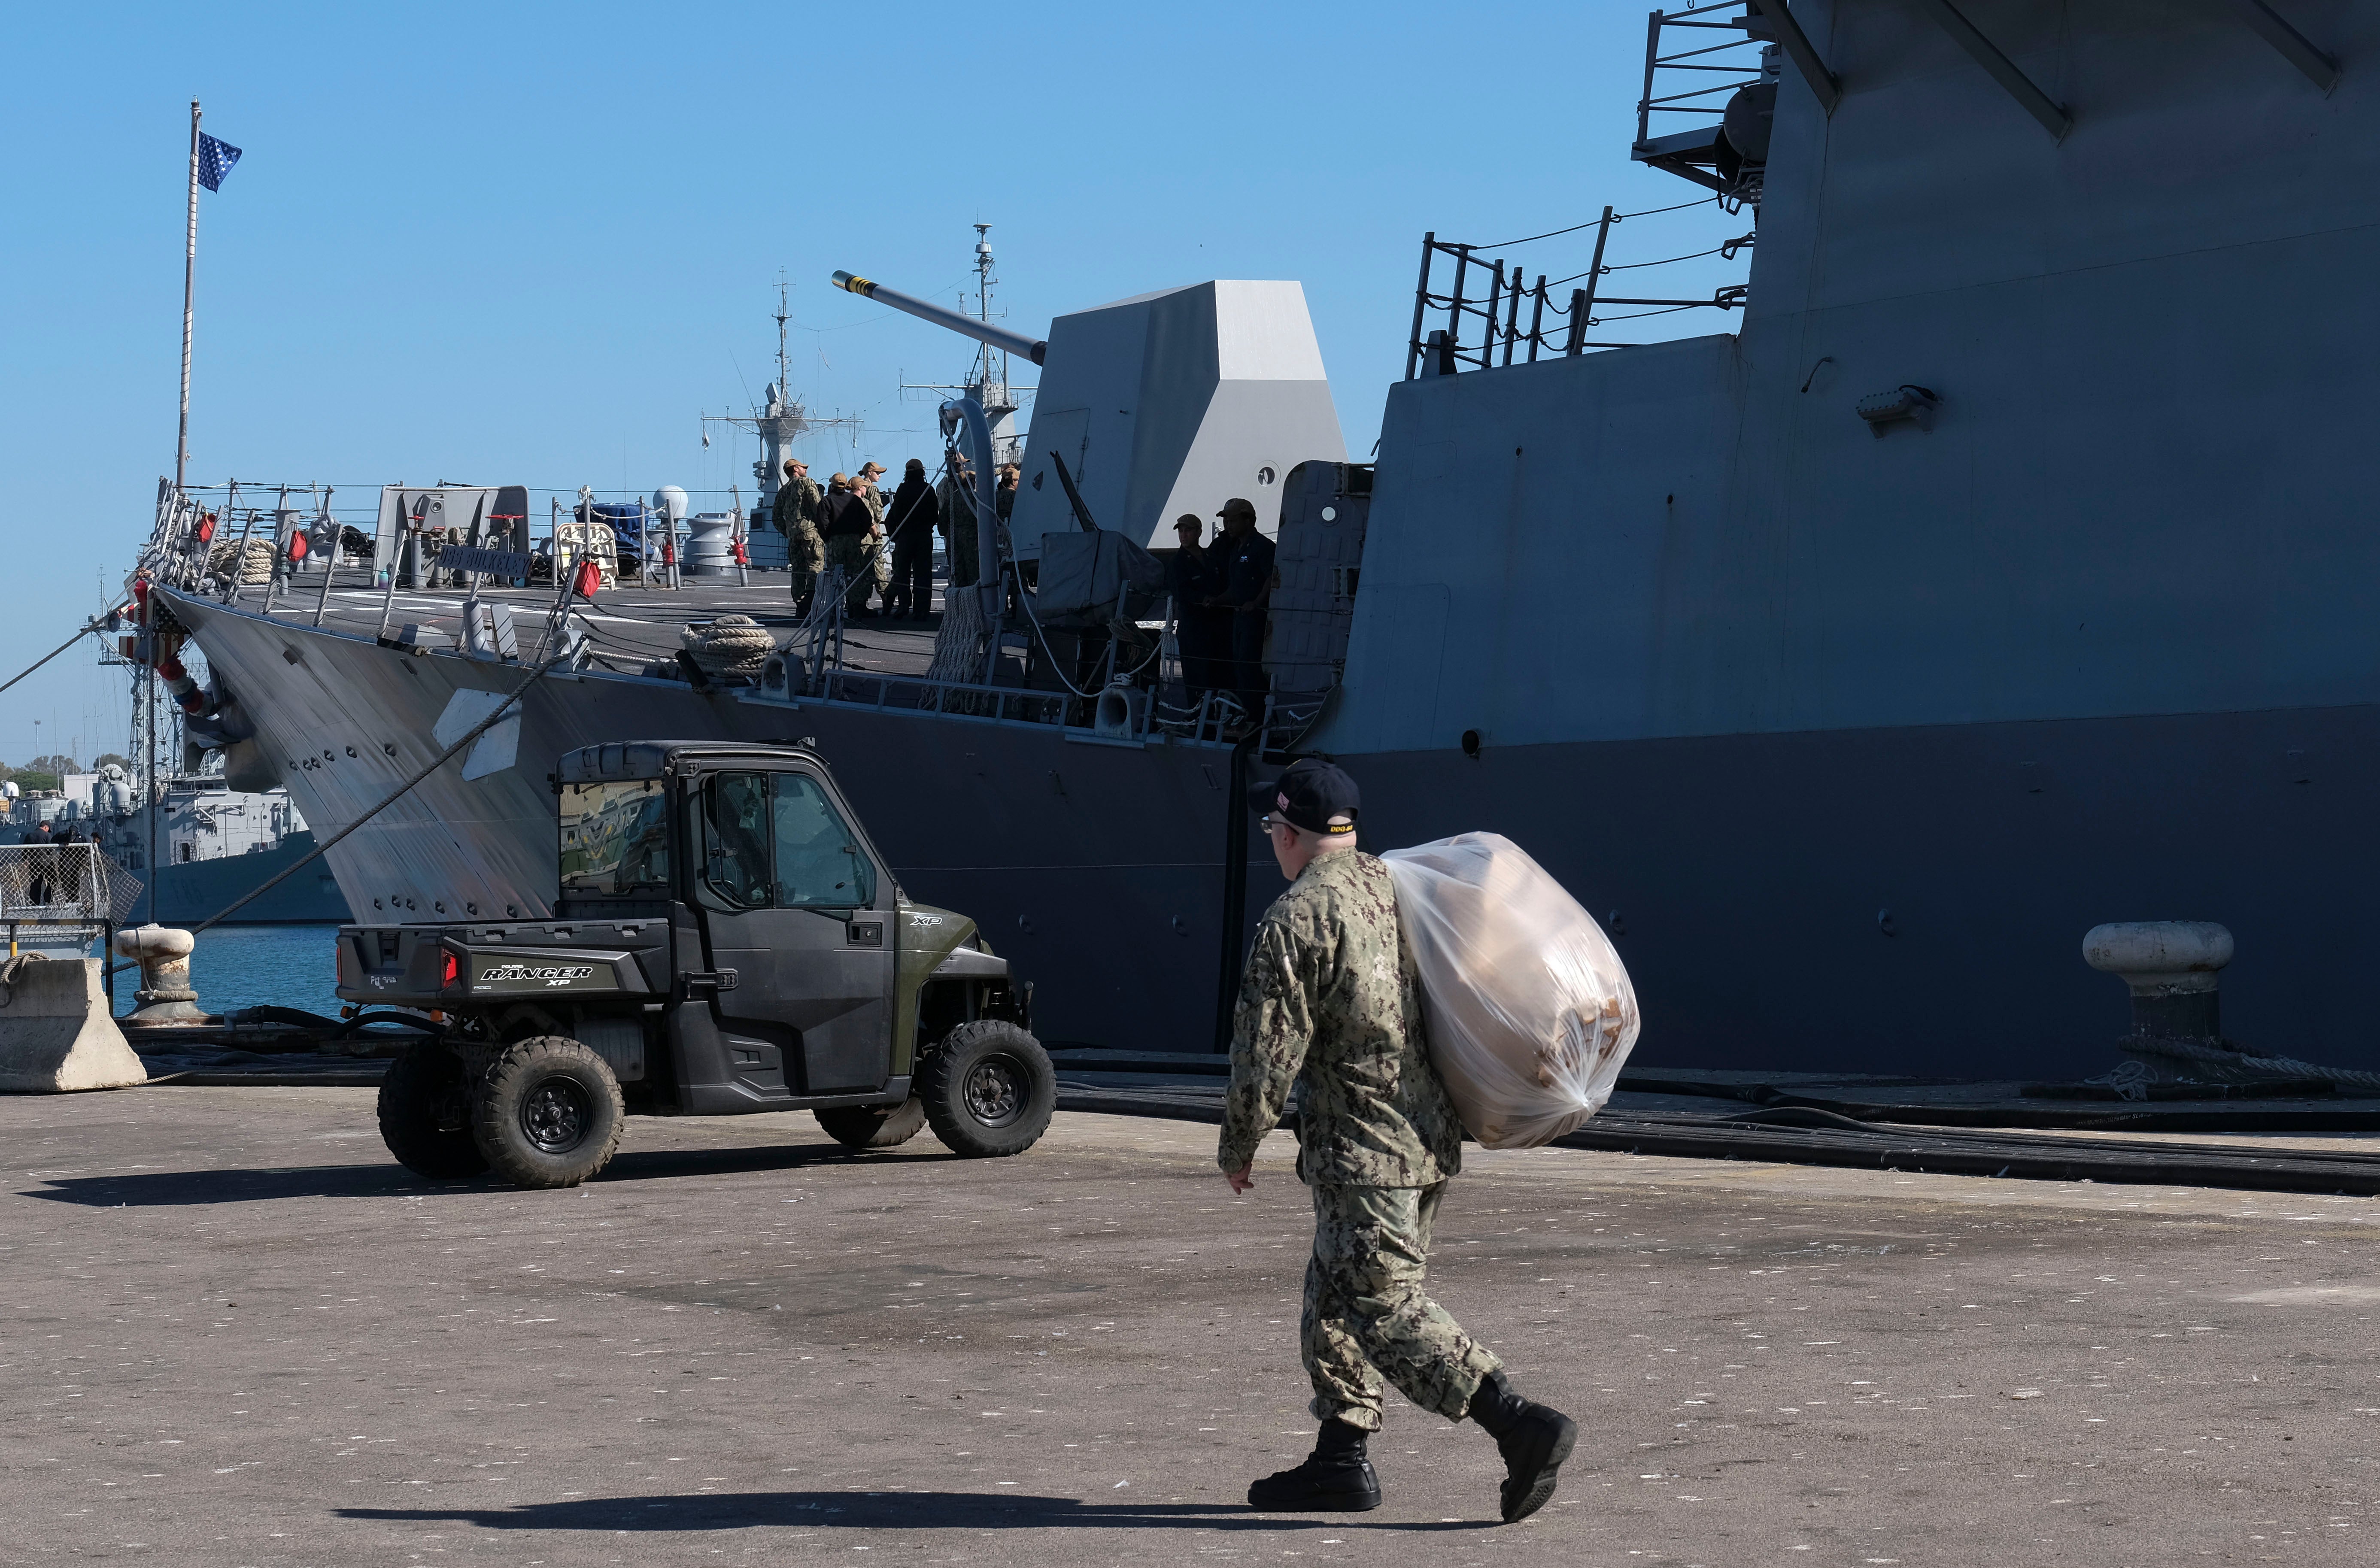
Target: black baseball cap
(1309, 796)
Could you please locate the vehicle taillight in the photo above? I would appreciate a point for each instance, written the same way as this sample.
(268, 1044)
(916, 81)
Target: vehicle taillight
(453, 968)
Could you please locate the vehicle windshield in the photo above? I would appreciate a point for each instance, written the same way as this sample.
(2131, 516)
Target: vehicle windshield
(614, 837)
(776, 840)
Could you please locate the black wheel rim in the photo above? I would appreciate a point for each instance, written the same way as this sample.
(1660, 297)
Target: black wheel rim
(554, 1115)
(995, 1091)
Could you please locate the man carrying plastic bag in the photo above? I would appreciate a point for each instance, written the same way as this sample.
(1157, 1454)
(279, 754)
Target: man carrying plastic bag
(1531, 1013)
(1331, 1004)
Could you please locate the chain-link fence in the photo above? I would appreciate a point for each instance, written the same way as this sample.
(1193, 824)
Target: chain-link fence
(53, 894)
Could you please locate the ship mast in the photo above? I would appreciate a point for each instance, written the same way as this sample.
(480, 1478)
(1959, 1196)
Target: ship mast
(986, 380)
(990, 382)
(779, 421)
(784, 376)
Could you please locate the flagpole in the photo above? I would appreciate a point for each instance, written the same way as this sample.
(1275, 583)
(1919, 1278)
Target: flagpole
(181, 472)
(189, 277)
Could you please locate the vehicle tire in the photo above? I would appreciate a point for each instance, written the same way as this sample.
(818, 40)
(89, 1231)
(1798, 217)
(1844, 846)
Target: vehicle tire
(425, 1115)
(548, 1115)
(988, 1089)
(873, 1126)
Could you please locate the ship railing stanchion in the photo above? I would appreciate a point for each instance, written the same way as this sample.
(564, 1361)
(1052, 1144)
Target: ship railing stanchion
(1538, 319)
(239, 554)
(388, 596)
(1594, 277)
(1512, 315)
(1455, 308)
(834, 618)
(273, 578)
(330, 555)
(557, 620)
(741, 538)
(1495, 298)
(1651, 60)
(1421, 302)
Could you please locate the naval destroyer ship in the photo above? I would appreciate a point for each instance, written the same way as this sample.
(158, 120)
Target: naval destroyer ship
(1994, 571)
(215, 847)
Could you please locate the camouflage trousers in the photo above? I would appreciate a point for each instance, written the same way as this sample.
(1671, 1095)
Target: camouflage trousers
(806, 552)
(1366, 1318)
(850, 552)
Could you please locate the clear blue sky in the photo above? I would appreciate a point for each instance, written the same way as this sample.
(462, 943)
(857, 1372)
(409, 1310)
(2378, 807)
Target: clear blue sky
(516, 244)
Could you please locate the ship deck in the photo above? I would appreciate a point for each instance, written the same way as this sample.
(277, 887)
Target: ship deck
(629, 626)
(239, 1322)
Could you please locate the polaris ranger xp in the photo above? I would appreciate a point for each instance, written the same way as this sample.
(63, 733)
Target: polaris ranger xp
(726, 941)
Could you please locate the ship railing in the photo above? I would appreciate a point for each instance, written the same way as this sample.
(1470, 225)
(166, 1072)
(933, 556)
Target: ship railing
(1216, 719)
(62, 894)
(199, 540)
(898, 693)
(1481, 302)
(1685, 48)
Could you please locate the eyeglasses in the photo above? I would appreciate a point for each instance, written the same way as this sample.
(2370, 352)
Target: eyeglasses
(1268, 821)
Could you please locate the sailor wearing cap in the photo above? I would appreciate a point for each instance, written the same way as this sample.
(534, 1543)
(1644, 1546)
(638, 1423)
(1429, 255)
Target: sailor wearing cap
(846, 526)
(880, 554)
(1247, 567)
(1332, 1004)
(796, 514)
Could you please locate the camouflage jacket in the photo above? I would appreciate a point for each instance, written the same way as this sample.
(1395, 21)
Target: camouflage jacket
(1331, 1004)
(797, 499)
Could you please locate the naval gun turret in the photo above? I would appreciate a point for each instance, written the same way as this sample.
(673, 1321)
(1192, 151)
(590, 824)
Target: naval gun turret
(1161, 403)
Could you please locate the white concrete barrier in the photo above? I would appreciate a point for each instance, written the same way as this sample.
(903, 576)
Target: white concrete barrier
(55, 1031)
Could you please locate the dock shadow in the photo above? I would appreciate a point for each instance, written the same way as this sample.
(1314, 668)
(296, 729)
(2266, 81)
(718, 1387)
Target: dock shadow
(880, 1511)
(174, 1189)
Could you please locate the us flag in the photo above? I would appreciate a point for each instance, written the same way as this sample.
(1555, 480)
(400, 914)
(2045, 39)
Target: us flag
(215, 159)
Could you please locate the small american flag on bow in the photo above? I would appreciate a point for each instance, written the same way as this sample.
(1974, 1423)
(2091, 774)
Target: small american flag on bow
(215, 159)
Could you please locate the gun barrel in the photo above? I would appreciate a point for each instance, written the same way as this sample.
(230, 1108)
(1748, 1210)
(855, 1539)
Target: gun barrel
(1033, 348)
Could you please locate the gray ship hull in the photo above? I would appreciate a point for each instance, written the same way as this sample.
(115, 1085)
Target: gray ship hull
(200, 890)
(1908, 899)
(1095, 866)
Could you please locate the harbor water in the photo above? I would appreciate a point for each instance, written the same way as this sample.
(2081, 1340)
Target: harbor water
(236, 967)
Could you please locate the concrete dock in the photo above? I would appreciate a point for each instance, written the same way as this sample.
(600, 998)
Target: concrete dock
(236, 1332)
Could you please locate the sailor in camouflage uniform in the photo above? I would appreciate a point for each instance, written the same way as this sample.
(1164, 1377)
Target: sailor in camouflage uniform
(1332, 1005)
(879, 561)
(796, 516)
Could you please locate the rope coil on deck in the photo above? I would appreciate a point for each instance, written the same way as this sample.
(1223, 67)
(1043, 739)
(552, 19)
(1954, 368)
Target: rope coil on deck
(255, 560)
(733, 646)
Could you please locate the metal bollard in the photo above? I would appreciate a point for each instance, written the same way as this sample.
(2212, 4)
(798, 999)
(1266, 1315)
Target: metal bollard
(2169, 966)
(164, 954)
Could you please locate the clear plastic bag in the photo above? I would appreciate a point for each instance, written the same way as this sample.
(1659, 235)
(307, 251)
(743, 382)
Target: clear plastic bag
(1530, 1010)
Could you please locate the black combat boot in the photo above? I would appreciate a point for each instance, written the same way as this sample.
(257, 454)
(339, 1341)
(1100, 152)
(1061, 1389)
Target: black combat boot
(1534, 1440)
(1335, 1478)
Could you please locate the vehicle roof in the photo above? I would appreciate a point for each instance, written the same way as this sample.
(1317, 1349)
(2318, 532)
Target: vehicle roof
(650, 759)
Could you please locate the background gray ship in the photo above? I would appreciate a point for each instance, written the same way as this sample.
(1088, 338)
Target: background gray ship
(214, 844)
(1998, 576)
